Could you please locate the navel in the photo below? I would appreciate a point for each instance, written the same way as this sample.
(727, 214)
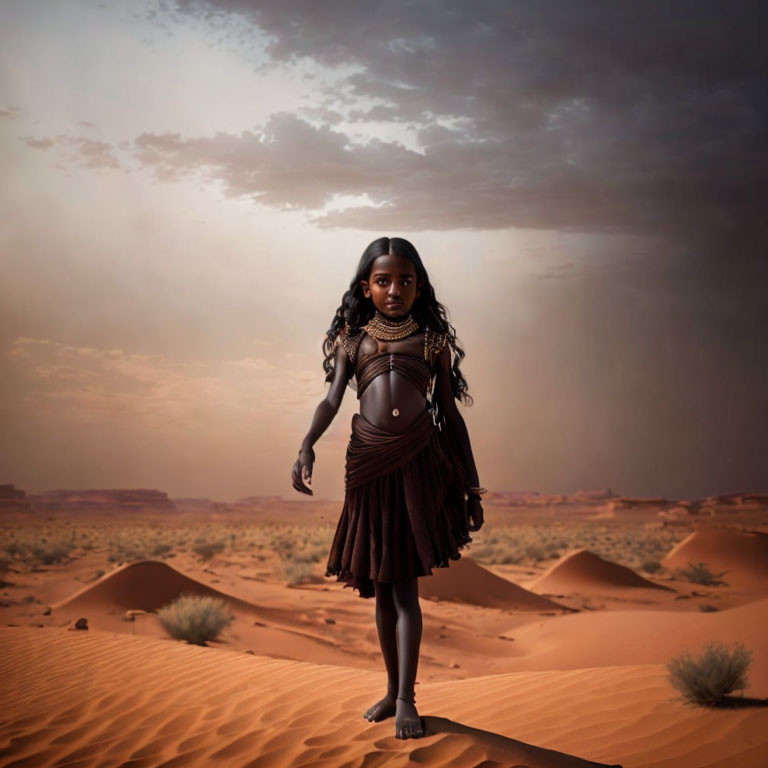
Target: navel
(395, 412)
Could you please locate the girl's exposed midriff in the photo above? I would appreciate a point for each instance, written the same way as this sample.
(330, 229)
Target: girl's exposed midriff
(391, 401)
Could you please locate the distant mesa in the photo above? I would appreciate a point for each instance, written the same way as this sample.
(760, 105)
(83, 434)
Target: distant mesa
(466, 581)
(525, 498)
(583, 568)
(195, 504)
(13, 499)
(600, 494)
(132, 500)
(631, 502)
(743, 554)
(603, 499)
(739, 499)
(603, 502)
(146, 585)
(250, 500)
(262, 508)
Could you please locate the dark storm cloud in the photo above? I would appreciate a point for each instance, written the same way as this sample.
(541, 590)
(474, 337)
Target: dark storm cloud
(603, 115)
(454, 184)
(288, 164)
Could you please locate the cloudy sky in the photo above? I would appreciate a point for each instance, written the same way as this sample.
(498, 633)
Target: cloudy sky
(188, 185)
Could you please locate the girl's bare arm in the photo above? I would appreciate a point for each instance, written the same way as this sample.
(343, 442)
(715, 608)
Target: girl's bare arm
(447, 403)
(455, 422)
(324, 415)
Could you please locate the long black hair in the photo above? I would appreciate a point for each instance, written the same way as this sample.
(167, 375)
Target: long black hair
(356, 310)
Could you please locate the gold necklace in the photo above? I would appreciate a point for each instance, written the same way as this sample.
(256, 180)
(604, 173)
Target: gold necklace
(383, 328)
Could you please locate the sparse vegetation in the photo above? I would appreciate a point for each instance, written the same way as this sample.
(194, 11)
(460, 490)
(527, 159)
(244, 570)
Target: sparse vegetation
(633, 545)
(291, 550)
(196, 619)
(708, 679)
(699, 573)
(297, 572)
(207, 549)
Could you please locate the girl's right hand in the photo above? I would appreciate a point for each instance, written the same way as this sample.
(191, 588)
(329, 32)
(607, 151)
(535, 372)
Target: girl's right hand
(302, 471)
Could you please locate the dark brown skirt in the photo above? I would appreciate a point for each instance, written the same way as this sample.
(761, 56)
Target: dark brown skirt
(404, 506)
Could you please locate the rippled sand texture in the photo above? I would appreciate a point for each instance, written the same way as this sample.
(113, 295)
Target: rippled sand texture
(511, 673)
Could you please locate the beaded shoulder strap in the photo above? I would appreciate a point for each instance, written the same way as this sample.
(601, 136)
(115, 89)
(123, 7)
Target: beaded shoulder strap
(433, 344)
(350, 340)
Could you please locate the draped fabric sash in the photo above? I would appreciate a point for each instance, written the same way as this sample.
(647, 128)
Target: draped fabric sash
(373, 452)
(413, 367)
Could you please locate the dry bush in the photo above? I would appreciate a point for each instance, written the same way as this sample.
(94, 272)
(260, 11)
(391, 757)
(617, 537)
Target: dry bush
(194, 618)
(709, 678)
(699, 573)
(300, 572)
(207, 549)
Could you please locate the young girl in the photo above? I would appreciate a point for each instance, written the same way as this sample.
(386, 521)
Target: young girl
(412, 492)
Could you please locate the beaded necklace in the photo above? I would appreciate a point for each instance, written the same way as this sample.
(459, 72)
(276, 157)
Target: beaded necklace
(384, 328)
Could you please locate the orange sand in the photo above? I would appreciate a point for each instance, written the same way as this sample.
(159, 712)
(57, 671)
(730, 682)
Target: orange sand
(743, 555)
(509, 674)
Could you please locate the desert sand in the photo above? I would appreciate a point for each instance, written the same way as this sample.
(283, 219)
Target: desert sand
(553, 661)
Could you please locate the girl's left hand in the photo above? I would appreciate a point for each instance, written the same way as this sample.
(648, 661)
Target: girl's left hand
(475, 512)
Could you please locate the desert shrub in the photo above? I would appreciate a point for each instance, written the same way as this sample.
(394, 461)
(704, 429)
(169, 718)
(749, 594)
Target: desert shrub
(309, 554)
(699, 573)
(298, 572)
(194, 618)
(534, 552)
(12, 548)
(284, 546)
(49, 552)
(652, 566)
(207, 549)
(707, 608)
(708, 679)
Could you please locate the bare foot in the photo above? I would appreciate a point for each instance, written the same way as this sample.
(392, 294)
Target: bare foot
(381, 710)
(408, 724)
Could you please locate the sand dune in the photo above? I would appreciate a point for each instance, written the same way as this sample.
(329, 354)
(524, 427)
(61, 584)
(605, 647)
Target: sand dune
(145, 585)
(507, 677)
(465, 581)
(641, 637)
(584, 569)
(742, 554)
(148, 585)
(102, 699)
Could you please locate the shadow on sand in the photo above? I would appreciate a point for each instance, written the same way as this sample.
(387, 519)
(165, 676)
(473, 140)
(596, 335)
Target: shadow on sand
(487, 749)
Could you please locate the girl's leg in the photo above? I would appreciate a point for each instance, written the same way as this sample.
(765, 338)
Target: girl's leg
(409, 626)
(386, 623)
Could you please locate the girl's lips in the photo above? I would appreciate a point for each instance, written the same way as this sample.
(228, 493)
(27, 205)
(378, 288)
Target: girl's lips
(394, 303)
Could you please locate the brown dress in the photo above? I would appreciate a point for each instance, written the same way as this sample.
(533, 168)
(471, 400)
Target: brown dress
(404, 508)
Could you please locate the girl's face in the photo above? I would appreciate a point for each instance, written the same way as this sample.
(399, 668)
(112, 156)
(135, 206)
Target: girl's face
(392, 286)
